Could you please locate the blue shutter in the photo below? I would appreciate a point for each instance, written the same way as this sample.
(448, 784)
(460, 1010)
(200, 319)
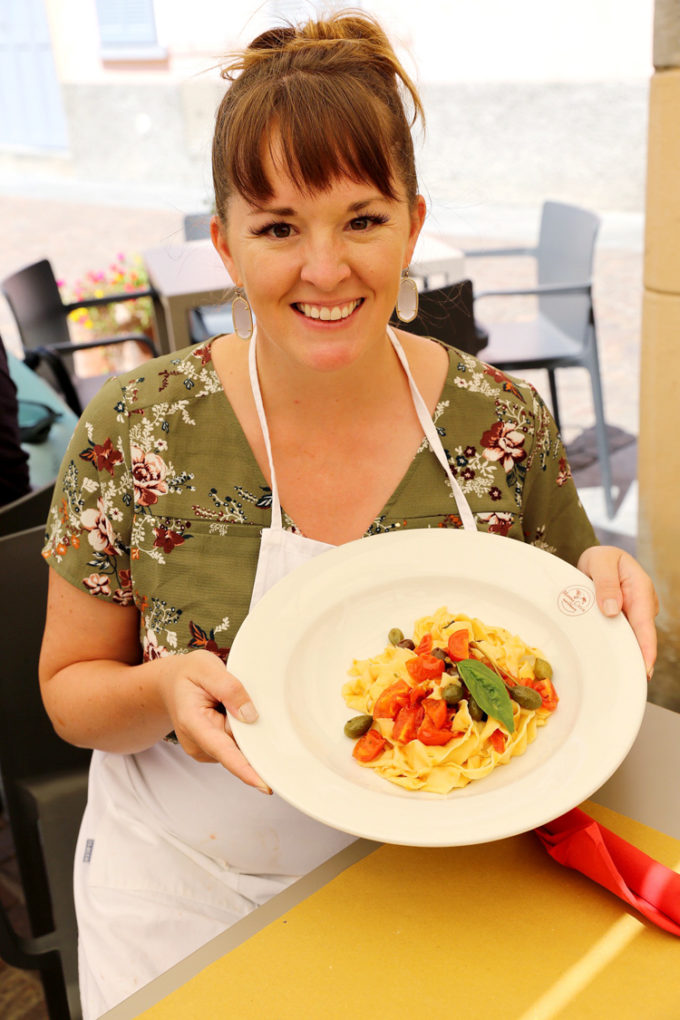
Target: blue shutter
(126, 23)
(31, 111)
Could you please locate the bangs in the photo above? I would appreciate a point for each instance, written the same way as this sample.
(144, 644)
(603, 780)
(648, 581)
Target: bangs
(324, 130)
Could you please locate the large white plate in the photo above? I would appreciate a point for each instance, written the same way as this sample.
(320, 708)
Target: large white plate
(294, 649)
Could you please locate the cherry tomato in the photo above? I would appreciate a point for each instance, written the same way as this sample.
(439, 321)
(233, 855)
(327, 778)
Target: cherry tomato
(391, 700)
(547, 692)
(437, 711)
(425, 644)
(368, 747)
(406, 724)
(425, 667)
(431, 735)
(497, 740)
(459, 645)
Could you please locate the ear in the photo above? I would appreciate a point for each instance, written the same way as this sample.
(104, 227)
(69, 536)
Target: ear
(219, 240)
(418, 214)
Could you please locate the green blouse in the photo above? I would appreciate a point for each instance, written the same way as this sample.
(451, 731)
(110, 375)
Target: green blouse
(160, 501)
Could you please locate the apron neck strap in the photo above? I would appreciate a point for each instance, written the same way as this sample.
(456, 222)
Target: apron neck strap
(424, 417)
(276, 521)
(428, 427)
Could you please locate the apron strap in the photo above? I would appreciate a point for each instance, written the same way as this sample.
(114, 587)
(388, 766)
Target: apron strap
(432, 436)
(276, 522)
(424, 417)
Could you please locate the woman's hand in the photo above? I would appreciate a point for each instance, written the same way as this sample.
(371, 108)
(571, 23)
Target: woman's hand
(99, 694)
(622, 584)
(192, 686)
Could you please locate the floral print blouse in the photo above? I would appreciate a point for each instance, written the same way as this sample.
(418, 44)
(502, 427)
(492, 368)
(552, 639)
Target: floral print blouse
(160, 501)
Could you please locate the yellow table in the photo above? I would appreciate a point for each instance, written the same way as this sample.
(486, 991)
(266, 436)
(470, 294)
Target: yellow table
(497, 930)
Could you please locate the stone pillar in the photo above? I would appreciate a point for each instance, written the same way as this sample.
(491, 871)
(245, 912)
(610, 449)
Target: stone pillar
(659, 442)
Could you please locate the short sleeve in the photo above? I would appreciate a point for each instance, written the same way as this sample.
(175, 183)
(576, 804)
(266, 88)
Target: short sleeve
(554, 518)
(90, 521)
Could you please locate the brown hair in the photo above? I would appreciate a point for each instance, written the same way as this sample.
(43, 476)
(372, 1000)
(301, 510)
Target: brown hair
(333, 90)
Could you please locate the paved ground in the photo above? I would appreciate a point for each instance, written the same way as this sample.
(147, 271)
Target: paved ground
(79, 236)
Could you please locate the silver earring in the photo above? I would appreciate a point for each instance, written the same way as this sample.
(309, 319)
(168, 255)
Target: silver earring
(407, 299)
(241, 315)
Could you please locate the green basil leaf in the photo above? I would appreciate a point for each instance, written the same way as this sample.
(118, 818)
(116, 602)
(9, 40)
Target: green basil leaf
(488, 690)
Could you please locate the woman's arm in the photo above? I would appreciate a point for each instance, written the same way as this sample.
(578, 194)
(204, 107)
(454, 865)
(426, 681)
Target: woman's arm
(99, 694)
(622, 584)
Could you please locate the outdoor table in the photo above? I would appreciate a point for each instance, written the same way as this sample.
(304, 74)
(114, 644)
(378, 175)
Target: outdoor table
(388, 930)
(191, 275)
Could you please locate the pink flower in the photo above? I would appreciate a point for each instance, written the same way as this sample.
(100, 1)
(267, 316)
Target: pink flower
(101, 535)
(148, 473)
(504, 442)
(97, 584)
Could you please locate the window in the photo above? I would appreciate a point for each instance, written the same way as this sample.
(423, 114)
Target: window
(127, 29)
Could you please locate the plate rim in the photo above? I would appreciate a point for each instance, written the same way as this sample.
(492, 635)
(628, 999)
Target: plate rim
(319, 570)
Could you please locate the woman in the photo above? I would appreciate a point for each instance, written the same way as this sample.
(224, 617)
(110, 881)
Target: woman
(169, 510)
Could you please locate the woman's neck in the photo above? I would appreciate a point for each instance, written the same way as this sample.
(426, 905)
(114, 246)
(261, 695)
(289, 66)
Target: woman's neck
(329, 395)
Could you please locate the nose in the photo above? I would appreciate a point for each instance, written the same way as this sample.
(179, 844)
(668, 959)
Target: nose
(324, 264)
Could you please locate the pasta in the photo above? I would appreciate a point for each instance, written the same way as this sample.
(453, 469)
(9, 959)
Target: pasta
(448, 706)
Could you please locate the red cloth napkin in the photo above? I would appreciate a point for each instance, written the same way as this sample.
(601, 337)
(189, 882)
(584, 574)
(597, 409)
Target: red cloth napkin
(577, 841)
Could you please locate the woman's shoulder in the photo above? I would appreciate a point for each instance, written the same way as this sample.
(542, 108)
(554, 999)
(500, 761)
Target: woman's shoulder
(483, 384)
(180, 376)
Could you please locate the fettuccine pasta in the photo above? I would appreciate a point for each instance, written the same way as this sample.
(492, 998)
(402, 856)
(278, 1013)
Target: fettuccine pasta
(462, 699)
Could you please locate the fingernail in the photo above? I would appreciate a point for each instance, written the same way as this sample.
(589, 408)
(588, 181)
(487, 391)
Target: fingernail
(610, 607)
(247, 712)
(650, 673)
(264, 788)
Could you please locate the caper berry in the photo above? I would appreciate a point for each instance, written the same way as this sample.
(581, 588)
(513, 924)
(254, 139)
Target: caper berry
(453, 692)
(475, 711)
(542, 670)
(358, 725)
(406, 643)
(395, 636)
(526, 697)
(440, 653)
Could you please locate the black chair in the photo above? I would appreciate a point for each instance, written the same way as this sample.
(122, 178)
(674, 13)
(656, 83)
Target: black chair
(447, 314)
(563, 333)
(44, 784)
(209, 320)
(41, 317)
(29, 511)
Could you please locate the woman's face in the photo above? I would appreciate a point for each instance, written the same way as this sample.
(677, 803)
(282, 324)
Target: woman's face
(321, 270)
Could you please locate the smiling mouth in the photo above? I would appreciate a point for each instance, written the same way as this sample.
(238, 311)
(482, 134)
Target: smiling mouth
(325, 313)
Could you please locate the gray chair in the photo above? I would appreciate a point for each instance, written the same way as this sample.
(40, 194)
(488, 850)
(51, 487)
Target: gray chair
(44, 785)
(209, 320)
(447, 314)
(42, 320)
(563, 334)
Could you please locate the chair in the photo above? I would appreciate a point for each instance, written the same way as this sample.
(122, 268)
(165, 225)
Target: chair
(563, 333)
(447, 313)
(41, 317)
(210, 320)
(28, 511)
(44, 784)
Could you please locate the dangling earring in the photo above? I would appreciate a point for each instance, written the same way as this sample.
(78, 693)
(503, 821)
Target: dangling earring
(407, 298)
(241, 315)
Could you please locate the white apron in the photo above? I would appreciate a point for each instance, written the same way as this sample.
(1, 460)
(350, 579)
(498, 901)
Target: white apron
(172, 851)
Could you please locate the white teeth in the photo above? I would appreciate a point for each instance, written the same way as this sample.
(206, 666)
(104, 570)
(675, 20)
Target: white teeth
(328, 314)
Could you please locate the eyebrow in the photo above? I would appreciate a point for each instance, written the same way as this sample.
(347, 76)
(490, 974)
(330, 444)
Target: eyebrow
(289, 211)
